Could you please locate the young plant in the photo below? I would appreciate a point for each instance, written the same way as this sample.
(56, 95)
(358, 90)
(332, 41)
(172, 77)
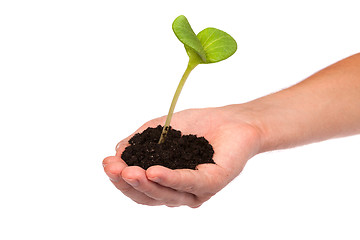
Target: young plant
(208, 46)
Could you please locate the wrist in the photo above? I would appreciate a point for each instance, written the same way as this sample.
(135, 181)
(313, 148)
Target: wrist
(272, 121)
(250, 118)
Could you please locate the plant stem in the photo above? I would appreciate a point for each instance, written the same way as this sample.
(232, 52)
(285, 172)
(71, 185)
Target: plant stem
(190, 67)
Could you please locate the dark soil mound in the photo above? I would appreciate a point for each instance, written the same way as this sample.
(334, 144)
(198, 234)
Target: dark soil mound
(177, 152)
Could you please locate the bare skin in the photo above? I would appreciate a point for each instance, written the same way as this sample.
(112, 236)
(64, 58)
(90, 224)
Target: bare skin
(325, 105)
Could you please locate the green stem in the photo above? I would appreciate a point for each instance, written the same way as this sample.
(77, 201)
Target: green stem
(190, 67)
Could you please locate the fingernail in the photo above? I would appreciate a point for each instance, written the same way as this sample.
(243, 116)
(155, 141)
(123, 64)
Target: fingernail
(132, 182)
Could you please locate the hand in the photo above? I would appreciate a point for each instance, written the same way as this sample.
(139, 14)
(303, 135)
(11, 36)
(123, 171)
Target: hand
(234, 142)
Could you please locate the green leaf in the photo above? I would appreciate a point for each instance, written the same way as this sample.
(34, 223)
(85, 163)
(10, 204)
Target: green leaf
(186, 35)
(209, 46)
(218, 45)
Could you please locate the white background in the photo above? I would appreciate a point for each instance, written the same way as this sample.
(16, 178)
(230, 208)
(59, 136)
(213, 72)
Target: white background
(78, 76)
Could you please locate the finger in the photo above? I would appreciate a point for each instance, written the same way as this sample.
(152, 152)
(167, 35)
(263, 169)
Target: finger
(184, 180)
(130, 191)
(135, 195)
(113, 168)
(110, 159)
(137, 178)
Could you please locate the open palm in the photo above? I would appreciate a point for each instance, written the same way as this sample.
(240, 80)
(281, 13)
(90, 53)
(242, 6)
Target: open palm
(234, 142)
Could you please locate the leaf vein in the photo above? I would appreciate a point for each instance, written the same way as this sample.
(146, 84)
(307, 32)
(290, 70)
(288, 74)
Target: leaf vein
(210, 35)
(211, 43)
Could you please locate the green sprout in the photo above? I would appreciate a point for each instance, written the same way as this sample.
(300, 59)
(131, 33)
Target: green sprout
(211, 45)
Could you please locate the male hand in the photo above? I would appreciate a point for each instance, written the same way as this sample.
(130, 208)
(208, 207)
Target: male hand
(234, 142)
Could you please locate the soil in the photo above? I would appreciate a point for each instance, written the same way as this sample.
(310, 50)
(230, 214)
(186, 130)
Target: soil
(177, 152)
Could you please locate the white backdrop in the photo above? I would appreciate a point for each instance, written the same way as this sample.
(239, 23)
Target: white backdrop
(78, 76)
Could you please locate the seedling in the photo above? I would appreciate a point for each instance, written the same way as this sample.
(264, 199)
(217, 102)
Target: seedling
(211, 45)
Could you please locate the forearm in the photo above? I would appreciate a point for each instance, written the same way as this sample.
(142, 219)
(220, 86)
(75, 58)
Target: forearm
(325, 105)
